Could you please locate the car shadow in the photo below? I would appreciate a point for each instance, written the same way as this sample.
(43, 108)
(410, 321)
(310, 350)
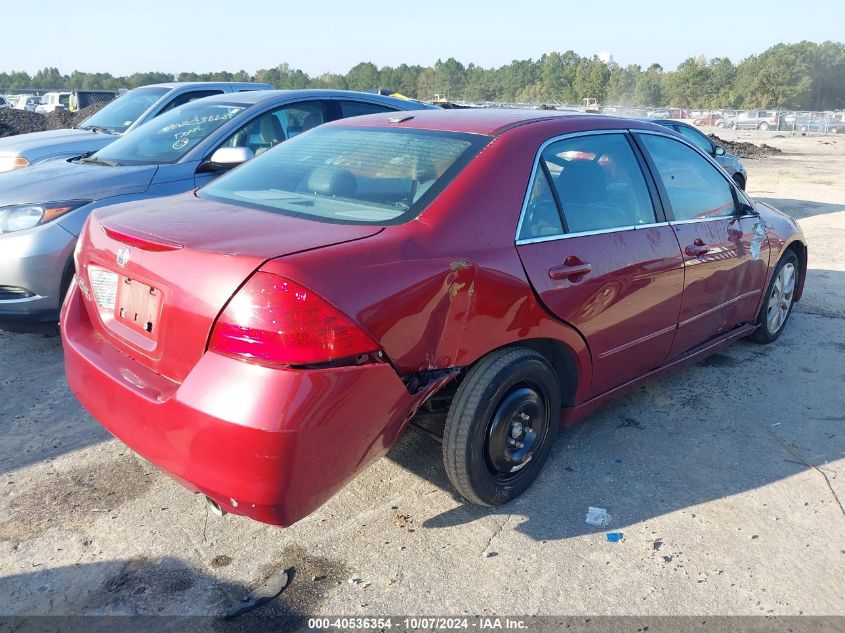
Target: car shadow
(40, 419)
(707, 431)
(141, 594)
(800, 209)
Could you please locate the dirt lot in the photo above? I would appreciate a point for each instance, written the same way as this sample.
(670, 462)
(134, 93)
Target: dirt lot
(723, 478)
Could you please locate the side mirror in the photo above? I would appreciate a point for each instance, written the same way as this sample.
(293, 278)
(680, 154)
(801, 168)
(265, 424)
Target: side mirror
(719, 151)
(226, 158)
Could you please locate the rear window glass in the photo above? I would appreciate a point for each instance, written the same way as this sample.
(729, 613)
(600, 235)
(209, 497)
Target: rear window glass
(350, 175)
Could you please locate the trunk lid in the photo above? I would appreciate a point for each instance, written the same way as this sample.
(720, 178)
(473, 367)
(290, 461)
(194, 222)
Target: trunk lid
(158, 272)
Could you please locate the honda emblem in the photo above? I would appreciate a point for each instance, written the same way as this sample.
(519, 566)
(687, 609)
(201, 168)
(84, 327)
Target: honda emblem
(122, 256)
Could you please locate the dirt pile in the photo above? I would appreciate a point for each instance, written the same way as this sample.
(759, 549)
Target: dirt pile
(22, 122)
(746, 150)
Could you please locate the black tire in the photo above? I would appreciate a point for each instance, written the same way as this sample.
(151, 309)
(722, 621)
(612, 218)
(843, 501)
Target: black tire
(764, 126)
(740, 181)
(768, 330)
(508, 390)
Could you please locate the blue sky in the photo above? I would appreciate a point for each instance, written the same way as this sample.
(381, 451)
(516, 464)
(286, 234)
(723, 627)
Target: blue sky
(328, 35)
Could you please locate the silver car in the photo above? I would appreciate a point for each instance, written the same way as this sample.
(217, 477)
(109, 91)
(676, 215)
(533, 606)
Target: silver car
(731, 163)
(122, 115)
(43, 207)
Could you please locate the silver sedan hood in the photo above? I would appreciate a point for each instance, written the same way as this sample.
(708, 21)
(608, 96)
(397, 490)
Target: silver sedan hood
(62, 180)
(66, 143)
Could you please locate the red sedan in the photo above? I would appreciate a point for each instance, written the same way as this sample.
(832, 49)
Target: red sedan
(265, 338)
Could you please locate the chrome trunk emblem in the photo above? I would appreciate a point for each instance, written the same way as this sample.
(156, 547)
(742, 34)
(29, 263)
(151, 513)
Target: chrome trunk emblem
(122, 256)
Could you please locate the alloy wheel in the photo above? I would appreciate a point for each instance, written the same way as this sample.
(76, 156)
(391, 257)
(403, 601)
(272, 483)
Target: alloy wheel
(780, 298)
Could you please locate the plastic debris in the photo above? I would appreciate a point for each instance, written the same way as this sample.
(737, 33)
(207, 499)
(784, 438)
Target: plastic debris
(597, 516)
(614, 537)
(271, 588)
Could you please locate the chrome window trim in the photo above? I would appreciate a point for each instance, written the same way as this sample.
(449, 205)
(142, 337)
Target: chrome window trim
(712, 218)
(616, 229)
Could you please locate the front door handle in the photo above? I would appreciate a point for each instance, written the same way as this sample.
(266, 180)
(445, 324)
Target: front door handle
(572, 269)
(697, 248)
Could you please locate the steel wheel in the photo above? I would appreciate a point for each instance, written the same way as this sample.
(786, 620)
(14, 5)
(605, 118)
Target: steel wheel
(501, 425)
(780, 298)
(517, 428)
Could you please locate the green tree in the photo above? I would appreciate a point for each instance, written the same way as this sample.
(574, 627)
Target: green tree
(690, 84)
(621, 84)
(648, 90)
(363, 76)
(450, 78)
(780, 77)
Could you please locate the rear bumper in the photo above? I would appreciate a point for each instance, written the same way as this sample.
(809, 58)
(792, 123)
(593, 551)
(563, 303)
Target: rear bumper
(271, 444)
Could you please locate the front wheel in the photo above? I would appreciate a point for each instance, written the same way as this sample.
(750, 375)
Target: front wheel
(501, 425)
(777, 306)
(764, 126)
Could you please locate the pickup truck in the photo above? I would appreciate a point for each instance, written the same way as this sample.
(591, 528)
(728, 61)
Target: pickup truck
(122, 115)
(52, 101)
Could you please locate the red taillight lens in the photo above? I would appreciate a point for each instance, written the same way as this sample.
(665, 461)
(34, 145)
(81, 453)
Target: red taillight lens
(275, 321)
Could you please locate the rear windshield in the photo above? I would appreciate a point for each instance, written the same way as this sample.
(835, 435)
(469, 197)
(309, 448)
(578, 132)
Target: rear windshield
(118, 115)
(350, 175)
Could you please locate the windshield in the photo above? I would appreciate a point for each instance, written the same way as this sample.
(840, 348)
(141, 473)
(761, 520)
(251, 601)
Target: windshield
(125, 110)
(350, 175)
(167, 138)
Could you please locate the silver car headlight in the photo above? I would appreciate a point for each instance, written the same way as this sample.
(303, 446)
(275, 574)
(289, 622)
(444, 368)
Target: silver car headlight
(8, 163)
(19, 217)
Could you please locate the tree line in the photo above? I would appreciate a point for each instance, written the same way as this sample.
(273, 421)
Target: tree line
(805, 76)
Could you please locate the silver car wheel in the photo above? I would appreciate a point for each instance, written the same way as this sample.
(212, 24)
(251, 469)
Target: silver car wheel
(780, 299)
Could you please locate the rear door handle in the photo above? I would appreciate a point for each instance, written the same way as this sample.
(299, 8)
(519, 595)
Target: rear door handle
(697, 248)
(570, 271)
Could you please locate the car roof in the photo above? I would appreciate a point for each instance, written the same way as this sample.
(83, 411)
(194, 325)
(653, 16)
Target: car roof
(203, 84)
(260, 96)
(491, 121)
(667, 122)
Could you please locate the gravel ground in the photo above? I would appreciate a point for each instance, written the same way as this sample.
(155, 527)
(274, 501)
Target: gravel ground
(724, 477)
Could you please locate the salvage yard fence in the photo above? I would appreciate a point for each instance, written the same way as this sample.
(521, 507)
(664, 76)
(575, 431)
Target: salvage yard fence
(797, 122)
(71, 99)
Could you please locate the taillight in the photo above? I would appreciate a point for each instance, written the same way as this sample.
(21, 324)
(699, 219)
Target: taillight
(275, 321)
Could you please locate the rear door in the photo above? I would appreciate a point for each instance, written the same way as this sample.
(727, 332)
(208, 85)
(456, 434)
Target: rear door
(724, 247)
(595, 244)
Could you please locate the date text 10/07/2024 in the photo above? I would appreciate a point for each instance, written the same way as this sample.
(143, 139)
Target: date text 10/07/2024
(416, 623)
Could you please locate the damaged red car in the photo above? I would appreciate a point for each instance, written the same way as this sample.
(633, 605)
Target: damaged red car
(266, 337)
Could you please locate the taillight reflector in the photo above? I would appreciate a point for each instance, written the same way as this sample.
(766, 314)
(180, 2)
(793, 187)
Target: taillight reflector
(273, 320)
